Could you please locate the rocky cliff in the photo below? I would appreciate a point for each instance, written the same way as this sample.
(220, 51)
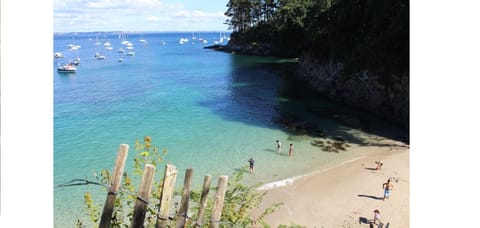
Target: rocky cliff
(363, 90)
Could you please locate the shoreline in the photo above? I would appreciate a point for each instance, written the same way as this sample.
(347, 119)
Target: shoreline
(291, 180)
(345, 194)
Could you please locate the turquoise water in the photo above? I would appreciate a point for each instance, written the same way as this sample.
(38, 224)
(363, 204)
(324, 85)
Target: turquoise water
(211, 110)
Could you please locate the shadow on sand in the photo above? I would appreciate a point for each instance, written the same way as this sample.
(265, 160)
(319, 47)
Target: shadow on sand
(372, 197)
(363, 220)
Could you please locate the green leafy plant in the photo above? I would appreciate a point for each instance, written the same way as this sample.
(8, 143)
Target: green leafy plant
(240, 199)
(146, 153)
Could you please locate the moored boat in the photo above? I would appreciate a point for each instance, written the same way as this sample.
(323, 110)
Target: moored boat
(58, 55)
(67, 68)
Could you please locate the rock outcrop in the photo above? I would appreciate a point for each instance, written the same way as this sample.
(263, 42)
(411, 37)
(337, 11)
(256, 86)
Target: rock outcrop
(362, 90)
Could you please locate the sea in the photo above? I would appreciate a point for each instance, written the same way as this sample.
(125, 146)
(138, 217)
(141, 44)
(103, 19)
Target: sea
(211, 111)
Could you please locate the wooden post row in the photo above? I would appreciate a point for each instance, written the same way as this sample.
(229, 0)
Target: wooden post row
(144, 191)
(167, 194)
(182, 212)
(114, 186)
(203, 200)
(218, 203)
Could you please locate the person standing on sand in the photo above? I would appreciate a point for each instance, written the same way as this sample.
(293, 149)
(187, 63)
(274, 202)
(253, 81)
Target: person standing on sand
(376, 217)
(388, 187)
(290, 150)
(252, 163)
(279, 145)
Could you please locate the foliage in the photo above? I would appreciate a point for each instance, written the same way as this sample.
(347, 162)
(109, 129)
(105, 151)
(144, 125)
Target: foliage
(291, 226)
(240, 199)
(365, 35)
(146, 153)
(239, 202)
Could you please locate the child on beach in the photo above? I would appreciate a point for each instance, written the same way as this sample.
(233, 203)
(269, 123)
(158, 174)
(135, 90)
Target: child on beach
(376, 217)
(290, 150)
(252, 163)
(379, 165)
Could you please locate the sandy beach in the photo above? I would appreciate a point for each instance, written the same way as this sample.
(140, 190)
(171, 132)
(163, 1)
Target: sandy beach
(347, 194)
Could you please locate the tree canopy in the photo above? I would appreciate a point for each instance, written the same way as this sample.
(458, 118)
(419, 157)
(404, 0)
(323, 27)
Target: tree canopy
(363, 34)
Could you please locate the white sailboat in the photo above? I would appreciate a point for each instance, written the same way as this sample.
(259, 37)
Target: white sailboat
(72, 46)
(142, 40)
(96, 40)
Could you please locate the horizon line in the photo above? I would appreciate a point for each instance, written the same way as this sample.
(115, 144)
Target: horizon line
(170, 31)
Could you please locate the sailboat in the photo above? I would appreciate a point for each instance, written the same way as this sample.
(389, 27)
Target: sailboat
(221, 38)
(96, 41)
(142, 40)
(72, 46)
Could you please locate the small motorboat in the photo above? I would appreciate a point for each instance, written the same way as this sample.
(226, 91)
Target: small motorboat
(67, 68)
(76, 62)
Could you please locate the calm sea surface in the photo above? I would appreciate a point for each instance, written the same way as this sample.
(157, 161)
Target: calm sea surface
(211, 110)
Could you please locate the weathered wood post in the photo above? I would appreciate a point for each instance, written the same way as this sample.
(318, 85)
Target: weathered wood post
(166, 197)
(182, 212)
(203, 200)
(114, 186)
(218, 203)
(144, 191)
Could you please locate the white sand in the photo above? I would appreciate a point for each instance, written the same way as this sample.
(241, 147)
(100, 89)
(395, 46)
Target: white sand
(340, 196)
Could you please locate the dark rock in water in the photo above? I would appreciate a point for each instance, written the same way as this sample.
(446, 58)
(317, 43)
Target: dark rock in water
(339, 138)
(330, 146)
(215, 46)
(258, 49)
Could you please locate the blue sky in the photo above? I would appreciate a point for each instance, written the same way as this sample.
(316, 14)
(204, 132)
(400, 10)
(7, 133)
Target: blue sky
(139, 15)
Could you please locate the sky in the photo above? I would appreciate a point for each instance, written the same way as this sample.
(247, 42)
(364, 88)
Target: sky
(139, 15)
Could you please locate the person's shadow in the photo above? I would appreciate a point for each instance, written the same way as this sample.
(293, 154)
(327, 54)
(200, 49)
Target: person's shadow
(372, 197)
(362, 220)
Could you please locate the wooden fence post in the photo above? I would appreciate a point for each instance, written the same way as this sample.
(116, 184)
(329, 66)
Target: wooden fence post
(114, 186)
(203, 200)
(218, 203)
(182, 212)
(166, 197)
(144, 191)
